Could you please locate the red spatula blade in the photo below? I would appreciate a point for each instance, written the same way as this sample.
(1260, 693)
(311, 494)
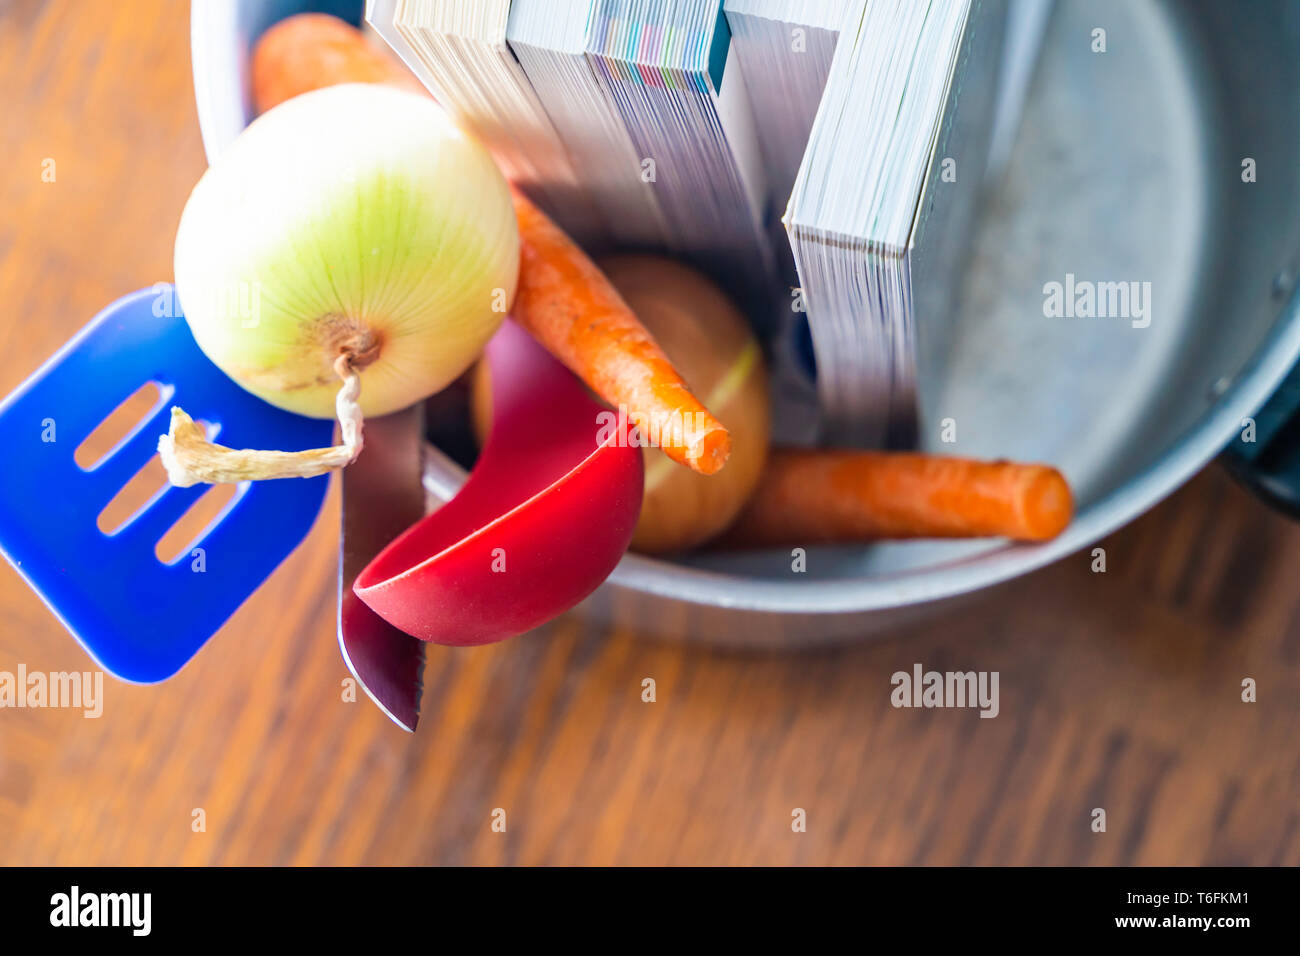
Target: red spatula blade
(544, 517)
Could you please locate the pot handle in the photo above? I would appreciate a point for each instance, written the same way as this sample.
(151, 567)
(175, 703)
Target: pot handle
(1270, 465)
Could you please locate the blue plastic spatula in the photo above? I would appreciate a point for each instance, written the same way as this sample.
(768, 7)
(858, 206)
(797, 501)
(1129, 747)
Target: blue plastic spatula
(141, 619)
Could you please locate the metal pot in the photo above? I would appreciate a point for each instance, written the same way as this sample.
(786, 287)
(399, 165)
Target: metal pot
(1131, 166)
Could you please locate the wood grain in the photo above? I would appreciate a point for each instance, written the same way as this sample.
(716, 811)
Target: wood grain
(1119, 690)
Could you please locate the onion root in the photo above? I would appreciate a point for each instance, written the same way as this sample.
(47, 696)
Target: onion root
(191, 459)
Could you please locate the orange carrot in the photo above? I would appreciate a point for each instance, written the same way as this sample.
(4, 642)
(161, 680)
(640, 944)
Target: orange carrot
(311, 50)
(568, 305)
(828, 496)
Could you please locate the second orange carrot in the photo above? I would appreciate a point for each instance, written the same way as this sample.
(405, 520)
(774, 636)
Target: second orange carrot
(839, 496)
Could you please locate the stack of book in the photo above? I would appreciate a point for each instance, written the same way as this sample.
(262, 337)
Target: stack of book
(700, 128)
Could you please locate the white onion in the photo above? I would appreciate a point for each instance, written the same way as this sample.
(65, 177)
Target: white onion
(355, 220)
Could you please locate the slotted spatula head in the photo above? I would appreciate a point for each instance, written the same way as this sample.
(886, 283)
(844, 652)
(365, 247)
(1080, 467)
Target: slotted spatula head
(141, 619)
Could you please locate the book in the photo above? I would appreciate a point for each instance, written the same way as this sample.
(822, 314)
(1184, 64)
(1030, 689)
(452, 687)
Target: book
(785, 48)
(640, 101)
(821, 159)
(550, 38)
(883, 205)
(458, 49)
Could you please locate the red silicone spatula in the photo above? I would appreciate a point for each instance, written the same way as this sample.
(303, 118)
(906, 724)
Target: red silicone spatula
(544, 517)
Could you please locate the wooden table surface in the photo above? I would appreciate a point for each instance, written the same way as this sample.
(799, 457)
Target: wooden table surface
(1119, 690)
